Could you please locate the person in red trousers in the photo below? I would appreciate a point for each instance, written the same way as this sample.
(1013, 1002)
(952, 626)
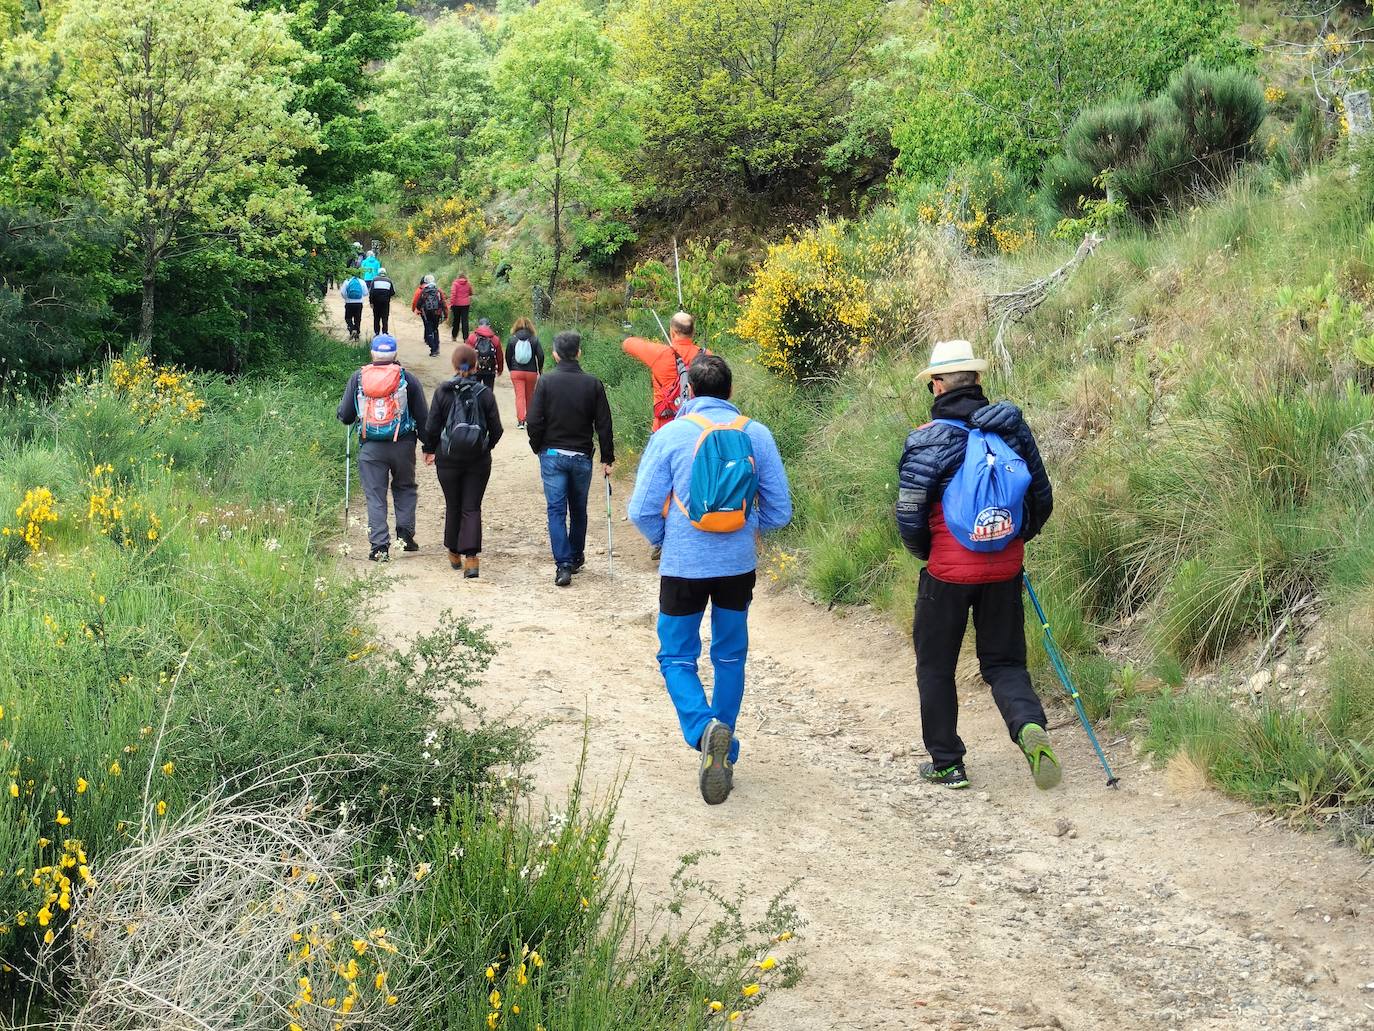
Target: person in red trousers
(525, 360)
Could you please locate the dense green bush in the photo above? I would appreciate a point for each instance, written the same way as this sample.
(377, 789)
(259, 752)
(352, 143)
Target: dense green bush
(1144, 154)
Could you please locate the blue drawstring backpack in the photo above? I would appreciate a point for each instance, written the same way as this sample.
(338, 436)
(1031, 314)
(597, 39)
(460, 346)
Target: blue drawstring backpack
(984, 503)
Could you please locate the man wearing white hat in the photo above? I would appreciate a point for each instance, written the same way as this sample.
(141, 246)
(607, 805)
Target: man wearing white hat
(972, 564)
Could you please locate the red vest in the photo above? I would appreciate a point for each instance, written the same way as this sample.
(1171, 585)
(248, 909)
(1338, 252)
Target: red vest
(953, 563)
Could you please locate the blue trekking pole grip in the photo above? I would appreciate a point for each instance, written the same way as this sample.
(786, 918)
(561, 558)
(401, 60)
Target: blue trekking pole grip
(1057, 661)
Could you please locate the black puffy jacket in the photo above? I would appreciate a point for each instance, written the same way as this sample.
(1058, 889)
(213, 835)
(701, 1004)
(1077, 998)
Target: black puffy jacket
(935, 451)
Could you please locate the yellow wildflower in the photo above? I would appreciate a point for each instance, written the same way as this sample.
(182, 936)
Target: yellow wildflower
(162, 808)
(169, 768)
(749, 990)
(81, 785)
(116, 769)
(62, 818)
(768, 963)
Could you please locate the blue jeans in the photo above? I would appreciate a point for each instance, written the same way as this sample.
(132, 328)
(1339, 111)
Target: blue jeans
(567, 482)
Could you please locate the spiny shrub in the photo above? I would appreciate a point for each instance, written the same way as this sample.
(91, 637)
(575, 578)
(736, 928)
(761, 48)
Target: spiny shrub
(1193, 137)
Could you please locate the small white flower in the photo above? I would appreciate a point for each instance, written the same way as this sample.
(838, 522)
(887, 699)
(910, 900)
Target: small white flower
(345, 549)
(272, 544)
(456, 852)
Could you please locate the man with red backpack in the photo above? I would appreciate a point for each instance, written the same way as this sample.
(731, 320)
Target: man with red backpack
(972, 491)
(668, 364)
(429, 304)
(389, 408)
(709, 483)
(490, 361)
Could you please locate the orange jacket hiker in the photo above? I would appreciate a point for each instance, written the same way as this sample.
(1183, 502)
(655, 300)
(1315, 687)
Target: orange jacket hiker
(662, 367)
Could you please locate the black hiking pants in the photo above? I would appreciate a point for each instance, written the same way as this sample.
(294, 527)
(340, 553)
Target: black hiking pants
(464, 487)
(1000, 634)
(381, 318)
(459, 314)
(431, 319)
(353, 317)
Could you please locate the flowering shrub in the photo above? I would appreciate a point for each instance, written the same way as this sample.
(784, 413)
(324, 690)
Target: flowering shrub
(127, 522)
(982, 203)
(808, 312)
(37, 511)
(446, 227)
(840, 292)
(152, 391)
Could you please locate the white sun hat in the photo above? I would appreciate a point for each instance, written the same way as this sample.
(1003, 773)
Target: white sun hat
(952, 356)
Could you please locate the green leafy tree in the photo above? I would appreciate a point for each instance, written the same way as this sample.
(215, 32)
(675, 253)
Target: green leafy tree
(433, 97)
(179, 116)
(741, 93)
(345, 39)
(1010, 80)
(558, 119)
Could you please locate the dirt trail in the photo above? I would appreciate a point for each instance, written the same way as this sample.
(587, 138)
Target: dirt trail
(923, 907)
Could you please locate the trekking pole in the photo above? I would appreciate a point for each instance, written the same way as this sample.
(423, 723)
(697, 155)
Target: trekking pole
(1057, 661)
(610, 532)
(677, 275)
(662, 328)
(348, 469)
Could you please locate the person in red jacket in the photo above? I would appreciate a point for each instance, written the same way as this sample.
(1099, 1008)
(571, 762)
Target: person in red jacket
(490, 362)
(459, 302)
(662, 360)
(957, 579)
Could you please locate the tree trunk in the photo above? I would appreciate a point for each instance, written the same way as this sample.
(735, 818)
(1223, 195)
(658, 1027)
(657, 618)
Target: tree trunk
(145, 315)
(557, 231)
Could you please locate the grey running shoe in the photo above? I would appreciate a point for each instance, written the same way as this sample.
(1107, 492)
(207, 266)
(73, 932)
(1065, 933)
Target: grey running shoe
(717, 771)
(1044, 764)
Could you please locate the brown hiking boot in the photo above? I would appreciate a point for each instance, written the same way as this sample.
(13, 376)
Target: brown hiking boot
(471, 567)
(456, 560)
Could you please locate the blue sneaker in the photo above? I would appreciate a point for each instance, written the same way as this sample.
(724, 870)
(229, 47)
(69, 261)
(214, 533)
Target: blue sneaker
(717, 772)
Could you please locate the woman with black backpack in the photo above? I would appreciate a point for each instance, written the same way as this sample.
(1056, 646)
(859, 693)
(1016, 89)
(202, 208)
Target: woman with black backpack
(464, 426)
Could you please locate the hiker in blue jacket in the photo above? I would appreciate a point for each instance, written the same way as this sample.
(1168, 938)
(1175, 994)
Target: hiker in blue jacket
(700, 566)
(370, 266)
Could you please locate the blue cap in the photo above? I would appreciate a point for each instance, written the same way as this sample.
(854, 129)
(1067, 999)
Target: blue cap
(385, 344)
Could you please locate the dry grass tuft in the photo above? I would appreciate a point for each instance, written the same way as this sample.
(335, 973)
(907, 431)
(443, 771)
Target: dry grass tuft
(237, 915)
(1185, 775)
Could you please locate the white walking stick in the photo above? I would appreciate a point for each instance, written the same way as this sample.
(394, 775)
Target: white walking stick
(610, 532)
(348, 469)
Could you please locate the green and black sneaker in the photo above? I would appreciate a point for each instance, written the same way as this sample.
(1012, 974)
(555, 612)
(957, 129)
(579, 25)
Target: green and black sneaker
(952, 776)
(1035, 744)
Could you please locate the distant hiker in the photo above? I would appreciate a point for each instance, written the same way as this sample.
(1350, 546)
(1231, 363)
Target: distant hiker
(525, 359)
(972, 491)
(389, 409)
(464, 426)
(708, 484)
(459, 303)
(380, 292)
(355, 258)
(354, 292)
(568, 407)
(668, 366)
(371, 267)
(490, 361)
(429, 304)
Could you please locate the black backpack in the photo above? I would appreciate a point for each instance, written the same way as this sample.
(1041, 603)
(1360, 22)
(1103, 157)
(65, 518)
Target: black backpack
(465, 434)
(431, 301)
(486, 355)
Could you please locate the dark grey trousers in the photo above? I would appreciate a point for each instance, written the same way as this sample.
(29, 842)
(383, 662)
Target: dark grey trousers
(384, 464)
